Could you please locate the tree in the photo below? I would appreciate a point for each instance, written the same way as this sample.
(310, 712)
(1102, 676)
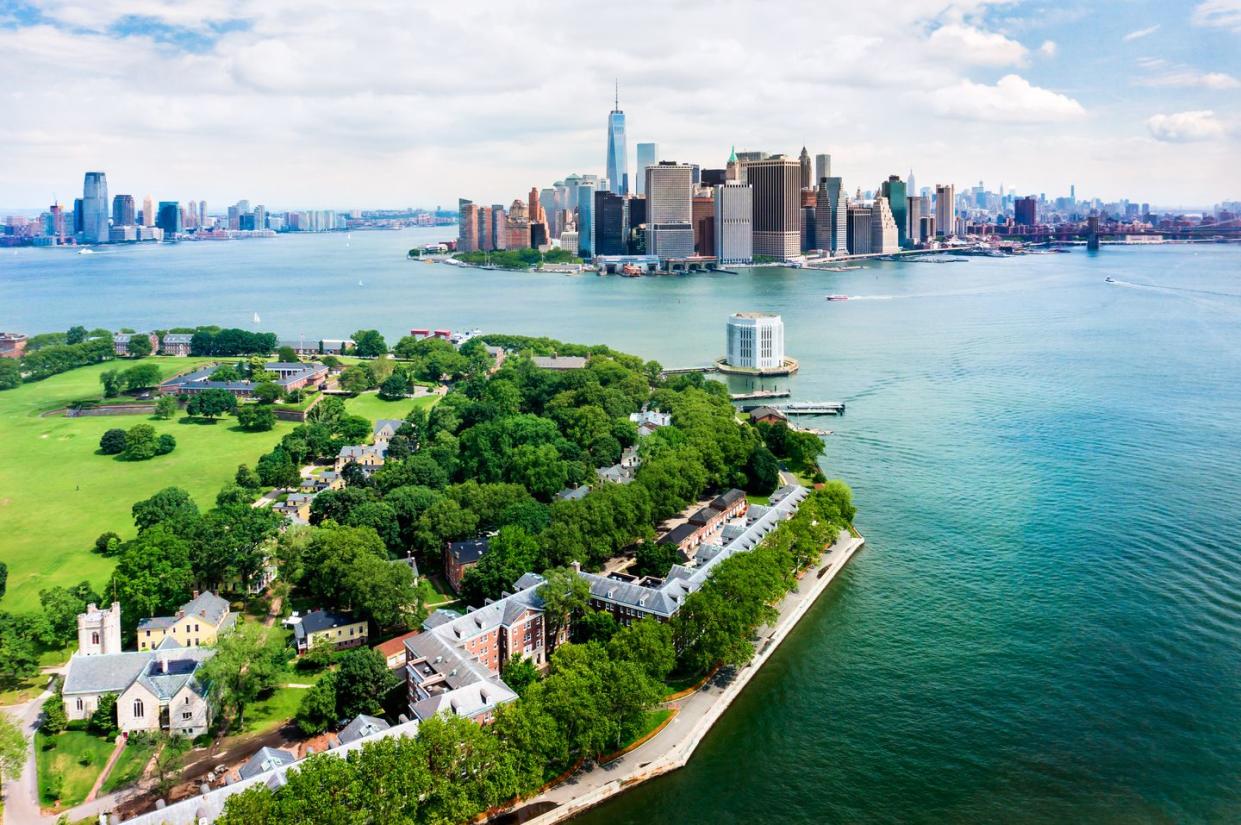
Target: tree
(103, 719)
(12, 749)
(54, 718)
(762, 471)
(287, 354)
(362, 680)
(227, 373)
(10, 374)
(519, 673)
(256, 417)
(539, 469)
(140, 443)
(18, 659)
(75, 335)
(211, 403)
(112, 442)
(171, 504)
(108, 544)
(172, 750)
(139, 346)
(564, 593)
(656, 559)
(510, 553)
(356, 378)
(276, 469)
(317, 710)
(112, 383)
(153, 575)
(394, 387)
(166, 407)
(248, 662)
(647, 643)
(141, 376)
(267, 392)
(61, 606)
(231, 494)
(165, 444)
(595, 626)
(368, 343)
(247, 478)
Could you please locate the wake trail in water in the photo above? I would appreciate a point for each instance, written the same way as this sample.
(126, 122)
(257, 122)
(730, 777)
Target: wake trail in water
(1166, 288)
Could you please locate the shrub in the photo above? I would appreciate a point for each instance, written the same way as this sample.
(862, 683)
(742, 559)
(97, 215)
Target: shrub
(140, 443)
(108, 544)
(165, 444)
(112, 442)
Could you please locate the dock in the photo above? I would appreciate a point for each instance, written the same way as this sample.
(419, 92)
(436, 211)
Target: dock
(686, 370)
(812, 408)
(759, 394)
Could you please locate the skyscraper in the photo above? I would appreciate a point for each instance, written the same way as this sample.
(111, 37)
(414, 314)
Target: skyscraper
(777, 206)
(703, 211)
(733, 170)
(910, 188)
(884, 238)
(95, 208)
(669, 210)
(148, 211)
(804, 160)
(893, 189)
(822, 167)
(859, 233)
(123, 210)
(1025, 211)
(913, 218)
(618, 152)
(586, 219)
(611, 226)
(648, 155)
(945, 209)
(467, 225)
(202, 213)
(168, 218)
(734, 217)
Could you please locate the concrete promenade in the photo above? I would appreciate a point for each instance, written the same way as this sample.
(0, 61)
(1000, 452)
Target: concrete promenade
(672, 747)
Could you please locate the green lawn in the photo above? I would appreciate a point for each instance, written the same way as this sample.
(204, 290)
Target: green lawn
(278, 708)
(64, 760)
(129, 765)
(24, 692)
(57, 494)
(369, 405)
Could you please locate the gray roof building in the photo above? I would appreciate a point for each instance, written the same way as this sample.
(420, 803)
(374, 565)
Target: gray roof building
(361, 727)
(559, 362)
(265, 760)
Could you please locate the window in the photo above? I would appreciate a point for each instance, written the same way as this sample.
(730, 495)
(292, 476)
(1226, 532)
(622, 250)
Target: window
(94, 637)
(79, 703)
(187, 715)
(139, 710)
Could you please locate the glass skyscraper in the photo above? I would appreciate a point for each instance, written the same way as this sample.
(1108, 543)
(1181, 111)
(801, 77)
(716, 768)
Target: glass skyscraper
(648, 155)
(618, 152)
(95, 208)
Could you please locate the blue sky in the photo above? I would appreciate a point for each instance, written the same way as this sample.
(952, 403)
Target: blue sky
(326, 104)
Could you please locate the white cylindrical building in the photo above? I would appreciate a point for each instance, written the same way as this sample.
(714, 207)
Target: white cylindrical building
(755, 341)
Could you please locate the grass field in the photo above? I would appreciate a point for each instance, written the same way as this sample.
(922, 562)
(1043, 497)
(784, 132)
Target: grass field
(370, 405)
(129, 765)
(57, 494)
(65, 760)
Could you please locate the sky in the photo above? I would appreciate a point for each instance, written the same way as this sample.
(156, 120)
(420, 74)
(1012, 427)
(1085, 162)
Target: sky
(365, 104)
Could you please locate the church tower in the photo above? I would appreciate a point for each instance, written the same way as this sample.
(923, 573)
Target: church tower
(99, 631)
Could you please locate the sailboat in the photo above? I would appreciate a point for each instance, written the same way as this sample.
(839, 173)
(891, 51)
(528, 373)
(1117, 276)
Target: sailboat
(257, 319)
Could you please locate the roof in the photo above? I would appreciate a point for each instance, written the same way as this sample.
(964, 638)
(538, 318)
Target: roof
(361, 726)
(392, 424)
(573, 493)
(207, 606)
(678, 534)
(264, 760)
(178, 338)
(468, 551)
(767, 412)
(559, 362)
(319, 620)
(394, 646)
(651, 418)
(116, 672)
(728, 499)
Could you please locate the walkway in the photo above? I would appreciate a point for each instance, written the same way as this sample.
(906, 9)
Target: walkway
(672, 747)
(121, 741)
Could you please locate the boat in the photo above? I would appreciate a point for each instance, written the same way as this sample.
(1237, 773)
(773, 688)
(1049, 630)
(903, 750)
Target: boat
(86, 252)
(257, 319)
(837, 297)
(1109, 280)
(631, 271)
(359, 283)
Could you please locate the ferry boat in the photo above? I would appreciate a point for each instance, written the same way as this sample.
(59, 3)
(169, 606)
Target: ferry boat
(837, 297)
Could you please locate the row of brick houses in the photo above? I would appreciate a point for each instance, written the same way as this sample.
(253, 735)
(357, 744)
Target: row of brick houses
(704, 526)
(290, 376)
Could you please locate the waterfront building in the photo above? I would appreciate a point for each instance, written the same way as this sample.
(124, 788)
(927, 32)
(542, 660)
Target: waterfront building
(95, 208)
(618, 153)
(57, 229)
(893, 189)
(148, 211)
(804, 160)
(945, 208)
(858, 240)
(260, 215)
(669, 210)
(467, 226)
(884, 237)
(123, 210)
(703, 212)
(926, 227)
(808, 239)
(499, 226)
(586, 219)
(611, 224)
(830, 216)
(648, 155)
(168, 218)
(1025, 211)
(777, 216)
(822, 167)
(515, 227)
(755, 340)
(569, 241)
(202, 213)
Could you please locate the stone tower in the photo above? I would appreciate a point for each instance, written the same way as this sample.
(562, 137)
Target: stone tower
(99, 631)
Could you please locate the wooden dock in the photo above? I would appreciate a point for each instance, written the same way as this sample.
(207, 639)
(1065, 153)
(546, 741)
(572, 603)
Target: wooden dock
(757, 395)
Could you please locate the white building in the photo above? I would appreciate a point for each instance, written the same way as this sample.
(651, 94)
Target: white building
(755, 340)
(669, 210)
(734, 223)
(884, 238)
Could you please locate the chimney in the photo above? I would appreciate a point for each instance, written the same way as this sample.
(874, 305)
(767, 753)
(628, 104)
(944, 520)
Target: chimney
(576, 565)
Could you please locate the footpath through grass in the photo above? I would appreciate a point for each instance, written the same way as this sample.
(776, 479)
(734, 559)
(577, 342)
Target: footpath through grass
(130, 764)
(69, 763)
(57, 493)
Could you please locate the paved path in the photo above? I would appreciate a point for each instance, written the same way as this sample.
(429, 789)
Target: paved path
(672, 747)
(107, 768)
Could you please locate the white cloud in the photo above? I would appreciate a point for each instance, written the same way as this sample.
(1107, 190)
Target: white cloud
(970, 45)
(1186, 127)
(1219, 14)
(1011, 100)
(1140, 33)
(1188, 78)
(1048, 49)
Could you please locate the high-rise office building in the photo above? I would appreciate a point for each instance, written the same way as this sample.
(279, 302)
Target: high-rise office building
(893, 189)
(611, 225)
(703, 212)
(713, 177)
(808, 241)
(1025, 211)
(95, 208)
(586, 219)
(58, 222)
(123, 210)
(804, 160)
(734, 218)
(202, 213)
(822, 167)
(467, 225)
(168, 218)
(534, 208)
(669, 210)
(732, 170)
(77, 216)
(648, 155)
(858, 239)
(910, 188)
(884, 238)
(945, 209)
(744, 159)
(548, 212)
(148, 211)
(618, 152)
(913, 218)
(260, 216)
(777, 206)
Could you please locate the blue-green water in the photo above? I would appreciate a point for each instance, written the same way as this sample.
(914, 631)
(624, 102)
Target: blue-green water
(1045, 626)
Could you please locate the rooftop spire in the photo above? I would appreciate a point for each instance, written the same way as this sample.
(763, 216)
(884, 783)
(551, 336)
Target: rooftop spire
(616, 101)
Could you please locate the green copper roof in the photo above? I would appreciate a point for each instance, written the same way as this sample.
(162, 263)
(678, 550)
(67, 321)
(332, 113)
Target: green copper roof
(732, 156)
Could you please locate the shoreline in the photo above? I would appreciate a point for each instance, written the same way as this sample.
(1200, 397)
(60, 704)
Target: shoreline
(671, 748)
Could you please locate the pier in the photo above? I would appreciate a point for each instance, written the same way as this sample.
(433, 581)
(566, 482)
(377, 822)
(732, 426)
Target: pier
(759, 394)
(686, 370)
(812, 408)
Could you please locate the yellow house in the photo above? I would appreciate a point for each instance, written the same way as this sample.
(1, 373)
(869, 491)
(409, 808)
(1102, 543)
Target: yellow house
(341, 629)
(199, 622)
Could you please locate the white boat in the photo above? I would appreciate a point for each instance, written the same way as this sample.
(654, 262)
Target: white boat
(86, 252)
(837, 297)
(257, 319)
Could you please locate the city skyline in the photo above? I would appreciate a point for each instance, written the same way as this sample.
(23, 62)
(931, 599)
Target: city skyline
(1121, 99)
